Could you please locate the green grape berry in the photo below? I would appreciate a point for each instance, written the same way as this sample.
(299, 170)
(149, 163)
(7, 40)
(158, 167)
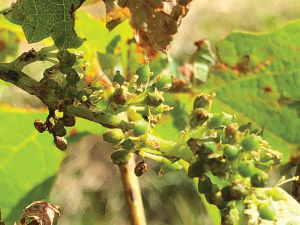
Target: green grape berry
(267, 211)
(247, 168)
(140, 127)
(128, 144)
(113, 135)
(231, 152)
(157, 110)
(250, 143)
(164, 82)
(216, 120)
(228, 118)
(278, 194)
(119, 78)
(260, 179)
(143, 71)
(120, 157)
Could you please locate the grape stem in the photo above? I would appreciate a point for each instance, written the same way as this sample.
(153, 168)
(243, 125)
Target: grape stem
(132, 193)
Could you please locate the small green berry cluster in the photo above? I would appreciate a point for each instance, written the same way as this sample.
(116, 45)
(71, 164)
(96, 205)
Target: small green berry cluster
(234, 154)
(144, 102)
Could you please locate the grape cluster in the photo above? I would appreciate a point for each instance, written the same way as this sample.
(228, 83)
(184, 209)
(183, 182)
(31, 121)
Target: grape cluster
(230, 161)
(236, 155)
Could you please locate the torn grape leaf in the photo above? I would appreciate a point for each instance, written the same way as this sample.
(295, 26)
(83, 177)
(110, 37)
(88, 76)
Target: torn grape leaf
(159, 19)
(41, 19)
(40, 211)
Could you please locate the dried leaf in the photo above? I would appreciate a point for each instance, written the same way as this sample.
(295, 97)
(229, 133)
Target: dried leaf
(159, 19)
(40, 211)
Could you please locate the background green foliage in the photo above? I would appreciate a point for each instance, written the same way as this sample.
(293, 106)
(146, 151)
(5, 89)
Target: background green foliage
(262, 88)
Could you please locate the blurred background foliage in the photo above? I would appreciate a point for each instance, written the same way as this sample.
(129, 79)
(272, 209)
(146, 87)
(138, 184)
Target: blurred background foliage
(88, 186)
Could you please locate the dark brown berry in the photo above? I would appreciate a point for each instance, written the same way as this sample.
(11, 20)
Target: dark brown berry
(60, 143)
(140, 169)
(40, 126)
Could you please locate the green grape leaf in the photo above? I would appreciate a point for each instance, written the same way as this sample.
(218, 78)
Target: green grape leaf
(286, 207)
(41, 19)
(160, 19)
(29, 161)
(258, 81)
(9, 43)
(100, 40)
(259, 72)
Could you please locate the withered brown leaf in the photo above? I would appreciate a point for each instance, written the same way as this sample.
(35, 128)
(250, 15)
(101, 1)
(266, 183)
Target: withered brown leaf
(158, 18)
(42, 212)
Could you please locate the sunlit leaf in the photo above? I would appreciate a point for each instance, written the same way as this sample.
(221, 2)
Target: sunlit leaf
(41, 19)
(257, 76)
(29, 161)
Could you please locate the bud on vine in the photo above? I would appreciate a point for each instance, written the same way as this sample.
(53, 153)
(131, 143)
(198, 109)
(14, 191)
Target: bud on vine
(119, 78)
(113, 136)
(120, 157)
(163, 82)
(143, 72)
(250, 143)
(154, 99)
(69, 120)
(231, 129)
(267, 211)
(196, 169)
(59, 128)
(204, 185)
(203, 101)
(140, 128)
(128, 144)
(198, 117)
(140, 168)
(247, 168)
(40, 126)
(231, 152)
(260, 179)
(61, 143)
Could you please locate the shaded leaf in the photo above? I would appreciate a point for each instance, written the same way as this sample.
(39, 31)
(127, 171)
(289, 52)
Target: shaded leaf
(100, 40)
(41, 19)
(29, 161)
(40, 211)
